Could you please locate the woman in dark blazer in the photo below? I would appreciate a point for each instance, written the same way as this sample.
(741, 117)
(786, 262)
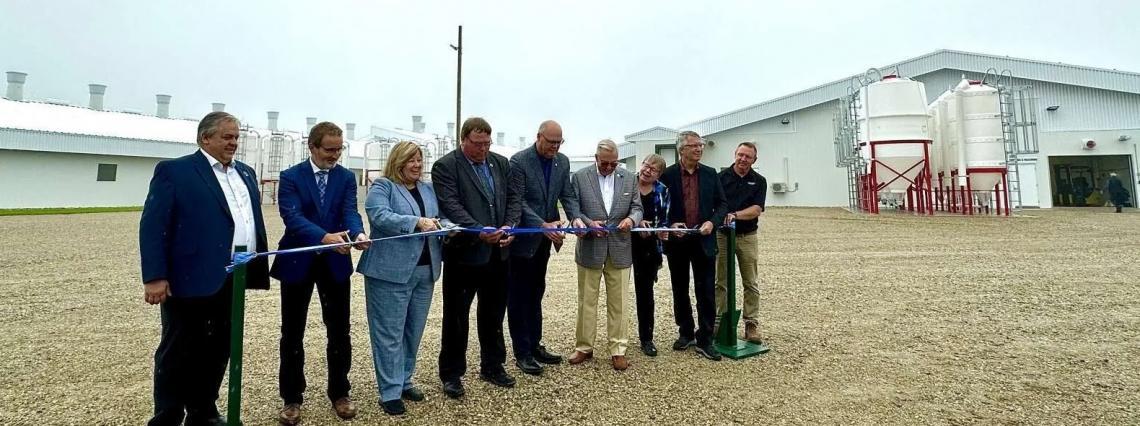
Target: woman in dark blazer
(399, 274)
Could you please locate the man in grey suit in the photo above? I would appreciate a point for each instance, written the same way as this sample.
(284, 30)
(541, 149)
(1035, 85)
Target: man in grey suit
(540, 176)
(607, 196)
(471, 186)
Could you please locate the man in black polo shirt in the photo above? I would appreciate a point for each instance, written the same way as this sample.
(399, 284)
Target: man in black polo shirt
(745, 190)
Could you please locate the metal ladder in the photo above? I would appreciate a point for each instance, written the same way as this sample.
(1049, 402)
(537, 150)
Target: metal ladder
(1009, 136)
(846, 131)
(1019, 130)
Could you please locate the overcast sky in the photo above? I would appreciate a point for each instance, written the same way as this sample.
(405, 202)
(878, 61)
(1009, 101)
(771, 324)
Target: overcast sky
(601, 68)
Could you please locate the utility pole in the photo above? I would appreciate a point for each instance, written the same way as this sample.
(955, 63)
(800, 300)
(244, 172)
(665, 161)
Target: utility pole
(458, 83)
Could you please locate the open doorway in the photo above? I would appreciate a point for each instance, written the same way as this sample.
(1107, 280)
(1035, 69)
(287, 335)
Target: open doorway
(1079, 181)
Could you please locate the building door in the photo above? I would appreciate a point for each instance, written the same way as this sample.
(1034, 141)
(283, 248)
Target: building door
(1027, 173)
(669, 153)
(1079, 180)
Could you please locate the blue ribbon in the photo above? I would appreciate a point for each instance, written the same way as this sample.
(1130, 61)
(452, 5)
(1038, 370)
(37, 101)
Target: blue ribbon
(244, 257)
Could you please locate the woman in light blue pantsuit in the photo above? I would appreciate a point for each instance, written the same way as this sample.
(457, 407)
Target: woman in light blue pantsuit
(399, 274)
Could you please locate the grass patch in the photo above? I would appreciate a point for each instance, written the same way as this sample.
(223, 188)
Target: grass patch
(67, 210)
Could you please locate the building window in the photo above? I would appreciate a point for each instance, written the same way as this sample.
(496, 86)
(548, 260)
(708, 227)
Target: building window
(107, 172)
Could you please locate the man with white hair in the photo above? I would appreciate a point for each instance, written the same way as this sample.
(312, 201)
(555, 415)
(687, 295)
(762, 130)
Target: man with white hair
(607, 197)
(696, 202)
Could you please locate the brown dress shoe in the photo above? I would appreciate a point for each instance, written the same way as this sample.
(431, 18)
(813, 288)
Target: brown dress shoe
(580, 357)
(290, 414)
(752, 332)
(344, 408)
(620, 363)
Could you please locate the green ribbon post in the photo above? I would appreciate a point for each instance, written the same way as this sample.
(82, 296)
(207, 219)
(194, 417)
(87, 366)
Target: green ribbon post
(237, 329)
(726, 342)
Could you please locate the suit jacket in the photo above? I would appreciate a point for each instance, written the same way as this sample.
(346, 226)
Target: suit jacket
(592, 251)
(464, 201)
(186, 230)
(539, 201)
(712, 206)
(393, 211)
(307, 220)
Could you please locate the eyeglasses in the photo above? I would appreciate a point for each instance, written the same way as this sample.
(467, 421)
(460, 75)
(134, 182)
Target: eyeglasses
(554, 142)
(693, 145)
(331, 150)
(608, 163)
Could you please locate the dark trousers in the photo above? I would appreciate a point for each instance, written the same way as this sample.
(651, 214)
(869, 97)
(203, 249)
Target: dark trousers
(646, 262)
(682, 255)
(295, 298)
(526, 284)
(461, 283)
(191, 357)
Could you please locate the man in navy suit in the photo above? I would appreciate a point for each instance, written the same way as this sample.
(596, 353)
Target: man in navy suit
(317, 199)
(198, 209)
(540, 176)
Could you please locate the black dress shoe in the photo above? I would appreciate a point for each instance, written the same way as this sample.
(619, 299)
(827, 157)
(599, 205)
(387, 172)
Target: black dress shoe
(529, 366)
(394, 407)
(499, 378)
(709, 352)
(648, 348)
(453, 388)
(683, 343)
(545, 357)
(412, 394)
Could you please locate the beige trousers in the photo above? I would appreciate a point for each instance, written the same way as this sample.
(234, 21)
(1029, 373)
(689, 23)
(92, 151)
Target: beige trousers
(617, 324)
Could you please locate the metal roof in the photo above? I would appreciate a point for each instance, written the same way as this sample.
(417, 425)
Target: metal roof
(652, 133)
(1055, 72)
(46, 117)
(42, 126)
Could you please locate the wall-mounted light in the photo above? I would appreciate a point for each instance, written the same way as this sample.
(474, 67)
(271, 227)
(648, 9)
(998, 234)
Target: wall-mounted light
(785, 121)
(1052, 107)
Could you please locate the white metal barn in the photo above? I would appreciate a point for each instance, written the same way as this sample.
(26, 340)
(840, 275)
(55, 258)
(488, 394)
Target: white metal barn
(1072, 105)
(53, 154)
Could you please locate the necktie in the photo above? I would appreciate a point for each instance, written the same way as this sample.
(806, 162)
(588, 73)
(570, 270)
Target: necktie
(322, 180)
(487, 182)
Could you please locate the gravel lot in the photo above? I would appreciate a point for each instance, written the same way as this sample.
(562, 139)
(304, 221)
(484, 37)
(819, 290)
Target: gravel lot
(891, 319)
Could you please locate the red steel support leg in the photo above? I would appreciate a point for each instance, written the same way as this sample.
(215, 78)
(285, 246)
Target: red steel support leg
(1005, 188)
(997, 199)
(969, 195)
(874, 179)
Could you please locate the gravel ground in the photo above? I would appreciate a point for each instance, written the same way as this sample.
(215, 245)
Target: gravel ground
(891, 319)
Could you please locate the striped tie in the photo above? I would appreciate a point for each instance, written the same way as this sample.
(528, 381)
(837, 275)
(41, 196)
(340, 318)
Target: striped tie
(321, 183)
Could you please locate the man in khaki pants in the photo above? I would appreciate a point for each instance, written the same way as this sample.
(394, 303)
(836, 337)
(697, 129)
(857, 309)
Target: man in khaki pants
(607, 196)
(745, 190)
